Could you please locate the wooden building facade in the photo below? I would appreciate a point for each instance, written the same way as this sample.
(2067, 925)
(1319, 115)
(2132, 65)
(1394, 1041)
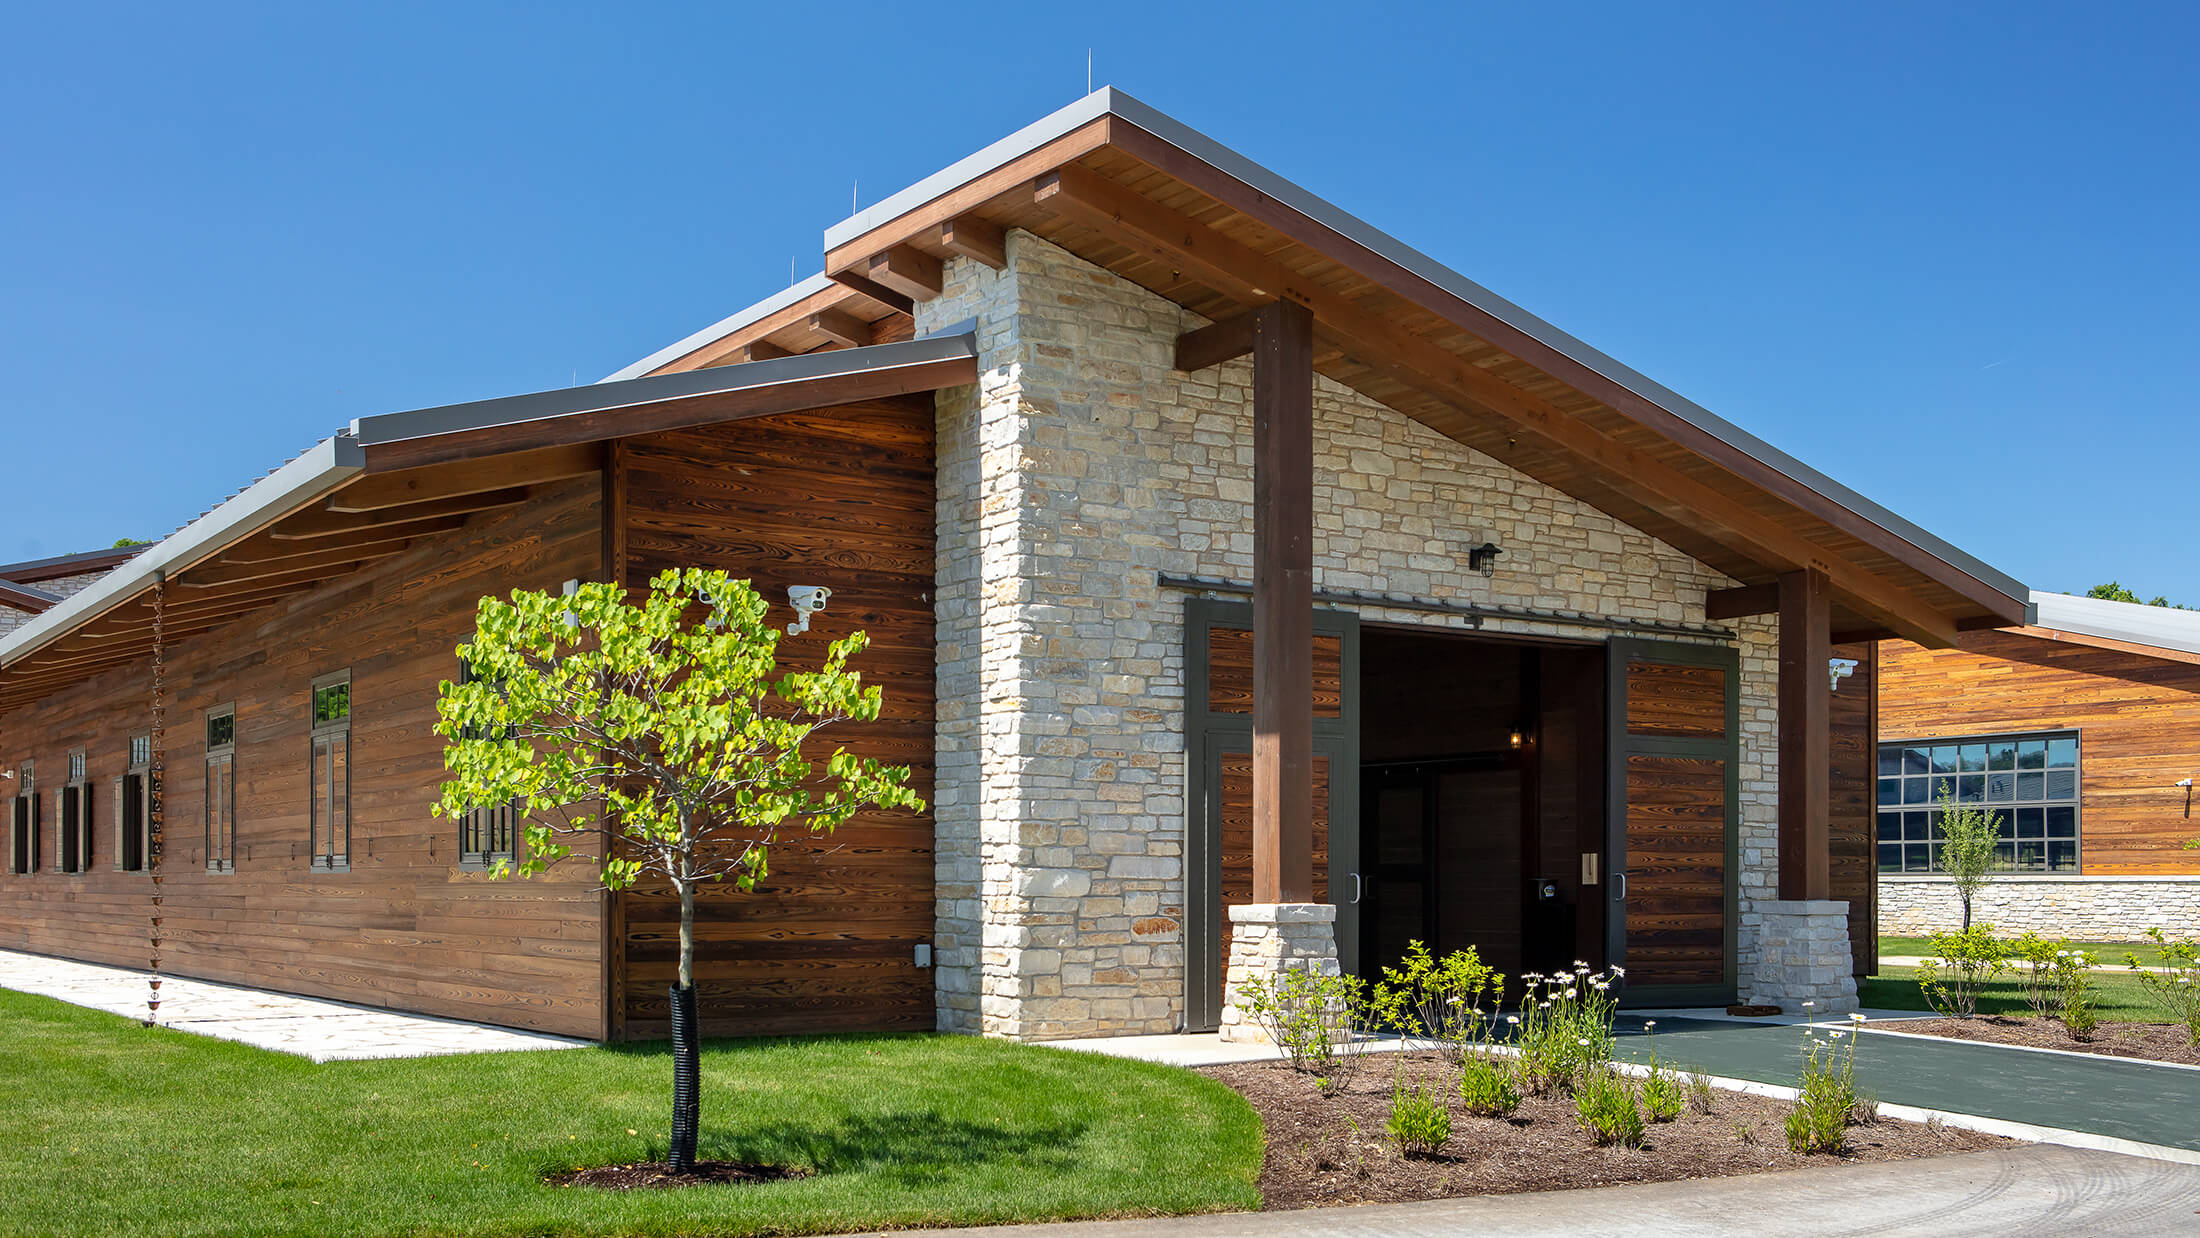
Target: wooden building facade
(1214, 547)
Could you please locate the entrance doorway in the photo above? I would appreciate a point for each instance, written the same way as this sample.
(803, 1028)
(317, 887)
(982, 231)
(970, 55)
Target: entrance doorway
(1482, 788)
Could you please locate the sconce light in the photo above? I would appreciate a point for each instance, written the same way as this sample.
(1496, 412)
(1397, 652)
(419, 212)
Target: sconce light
(1483, 558)
(2187, 785)
(1839, 669)
(1519, 737)
(807, 600)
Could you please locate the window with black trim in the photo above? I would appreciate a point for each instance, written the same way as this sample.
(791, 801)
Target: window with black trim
(330, 781)
(134, 807)
(486, 835)
(76, 818)
(221, 789)
(23, 821)
(2028, 781)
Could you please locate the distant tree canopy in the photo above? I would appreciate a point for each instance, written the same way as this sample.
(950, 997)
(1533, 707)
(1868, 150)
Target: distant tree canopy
(2114, 592)
(124, 543)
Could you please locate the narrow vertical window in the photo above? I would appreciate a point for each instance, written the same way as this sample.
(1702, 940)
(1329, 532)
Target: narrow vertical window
(76, 819)
(23, 822)
(330, 829)
(134, 807)
(221, 789)
(486, 835)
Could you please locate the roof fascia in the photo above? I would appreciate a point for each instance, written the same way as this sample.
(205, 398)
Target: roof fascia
(67, 565)
(1108, 101)
(2128, 623)
(322, 468)
(723, 327)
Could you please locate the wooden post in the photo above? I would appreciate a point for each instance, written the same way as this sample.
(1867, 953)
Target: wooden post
(1806, 755)
(1283, 604)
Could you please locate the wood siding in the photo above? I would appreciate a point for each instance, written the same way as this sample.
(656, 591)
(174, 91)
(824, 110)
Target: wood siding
(1850, 827)
(842, 498)
(1676, 870)
(405, 927)
(2138, 719)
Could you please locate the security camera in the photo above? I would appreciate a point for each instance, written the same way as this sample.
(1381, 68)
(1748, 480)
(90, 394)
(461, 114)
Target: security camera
(1838, 669)
(2187, 783)
(807, 600)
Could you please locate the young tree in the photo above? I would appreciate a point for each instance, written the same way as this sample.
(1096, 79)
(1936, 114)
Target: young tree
(1970, 836)
(658, 734)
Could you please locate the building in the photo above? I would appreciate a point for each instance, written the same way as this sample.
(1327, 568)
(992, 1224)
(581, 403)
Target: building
(33, 588)
(1070, 428)
(2081, 731)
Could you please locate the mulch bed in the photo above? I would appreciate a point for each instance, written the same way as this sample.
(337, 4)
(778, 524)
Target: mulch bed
(653, 1175)
(2159, 1042)
(1326, 1150)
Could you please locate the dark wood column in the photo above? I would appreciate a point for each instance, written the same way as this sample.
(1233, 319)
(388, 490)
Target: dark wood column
(1806, 744)
(1283, 603)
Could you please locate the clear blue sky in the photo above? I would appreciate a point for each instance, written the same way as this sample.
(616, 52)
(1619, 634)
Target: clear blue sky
(1945, 253)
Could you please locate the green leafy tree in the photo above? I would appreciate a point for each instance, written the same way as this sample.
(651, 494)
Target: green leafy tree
(662, 739)
(2115, 592)
(1970, 836)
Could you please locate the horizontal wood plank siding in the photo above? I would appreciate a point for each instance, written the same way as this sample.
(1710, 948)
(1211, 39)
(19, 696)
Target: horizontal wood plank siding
(2138, 719)
(406, 927)
(1852, 819)
(842, 498)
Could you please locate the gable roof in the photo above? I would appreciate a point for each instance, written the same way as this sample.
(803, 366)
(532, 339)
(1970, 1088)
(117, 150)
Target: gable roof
(2162, 629)
(1134, 191)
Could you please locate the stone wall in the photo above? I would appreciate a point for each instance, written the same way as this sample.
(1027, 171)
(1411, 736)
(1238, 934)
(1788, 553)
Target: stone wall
(1080, 466)
(2078, 908)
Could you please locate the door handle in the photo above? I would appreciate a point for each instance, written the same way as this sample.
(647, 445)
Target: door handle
(1357, 886)
(1622, 896)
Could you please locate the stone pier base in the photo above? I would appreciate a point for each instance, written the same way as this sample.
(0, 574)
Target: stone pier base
(1267, 939)
(1803, 956)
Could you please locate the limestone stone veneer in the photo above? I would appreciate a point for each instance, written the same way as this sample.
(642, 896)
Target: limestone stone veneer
(1267, 940)
(1804, 956)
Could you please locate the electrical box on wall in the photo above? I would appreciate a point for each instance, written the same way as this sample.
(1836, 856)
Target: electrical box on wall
(1589, 867)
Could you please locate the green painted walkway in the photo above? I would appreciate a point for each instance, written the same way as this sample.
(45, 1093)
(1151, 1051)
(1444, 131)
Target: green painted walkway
(2097, 1095)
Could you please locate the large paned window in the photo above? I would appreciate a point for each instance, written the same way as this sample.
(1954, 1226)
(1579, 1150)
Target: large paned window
(23, 821)
(76, 818)
(2029, 783)
(134, 807)
(486, 835)
(221, 789)
(331, 774)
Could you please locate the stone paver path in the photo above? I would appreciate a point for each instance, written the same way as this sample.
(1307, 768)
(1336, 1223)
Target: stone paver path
(310, 1027)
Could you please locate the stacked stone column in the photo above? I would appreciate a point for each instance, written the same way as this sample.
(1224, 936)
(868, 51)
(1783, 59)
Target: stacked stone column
(1803, 956)
(1267, 940)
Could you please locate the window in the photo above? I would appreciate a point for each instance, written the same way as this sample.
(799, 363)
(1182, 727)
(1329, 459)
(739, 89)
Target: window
(76, 819)
(23, 822)
(221, 789)
(2029, 782)
(134, 807)
(486, 835)
(330, 780)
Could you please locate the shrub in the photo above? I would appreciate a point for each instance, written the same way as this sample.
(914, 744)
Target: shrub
(1826, 1100)
(2176, 987)
(1565, 1028)
(1438, 1000)
(1604, 1104)
(1964, 962)
(1701, 1097)
(1486, 1086)
(2080, 1014)
(1419, 1123)
(1663, 1093)
(1319, 1021)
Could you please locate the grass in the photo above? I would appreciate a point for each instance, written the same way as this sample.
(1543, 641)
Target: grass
(116, 1129)
(2107, 953)
(2121, 999)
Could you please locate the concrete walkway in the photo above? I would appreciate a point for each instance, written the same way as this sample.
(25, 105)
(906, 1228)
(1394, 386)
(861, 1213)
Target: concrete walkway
(2026, 1190)
(309, 1027)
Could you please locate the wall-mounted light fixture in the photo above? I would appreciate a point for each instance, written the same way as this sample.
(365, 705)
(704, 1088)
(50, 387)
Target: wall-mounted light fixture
(807, 600)
(1838, 669)
(2187, 785)
(1483, 558)
(1519, 737)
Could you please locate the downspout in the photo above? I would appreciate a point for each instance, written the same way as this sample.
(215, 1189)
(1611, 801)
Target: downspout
(153, 793)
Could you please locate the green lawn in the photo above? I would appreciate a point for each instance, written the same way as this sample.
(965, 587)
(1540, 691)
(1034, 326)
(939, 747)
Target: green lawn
(114, 1129)
(2105, 953)
(2121, 999)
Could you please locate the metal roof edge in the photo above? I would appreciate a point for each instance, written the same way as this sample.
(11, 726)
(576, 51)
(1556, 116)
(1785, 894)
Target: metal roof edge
(2162, 627)
(723, 327)
(56, 566)
(315, 471)
(1109, 100)
(657, 388)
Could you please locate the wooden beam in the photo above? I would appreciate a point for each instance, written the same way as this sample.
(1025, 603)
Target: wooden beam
(1742, 602)
(264, 549)
(1806, 737)
(841, 327)
(980, 240)
(908, 271)
(763, 350)
(269, 576)
(25, 599)
(1283, 604)
(1215, 343)
(311, 524)
(373, 492)
(863, 285)
(1238, 272)
(345, 557)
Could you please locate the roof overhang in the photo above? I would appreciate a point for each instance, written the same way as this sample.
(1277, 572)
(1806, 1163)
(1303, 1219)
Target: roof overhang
(2153, 631)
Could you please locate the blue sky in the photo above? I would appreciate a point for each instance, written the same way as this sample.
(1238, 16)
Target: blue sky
(1947, 256)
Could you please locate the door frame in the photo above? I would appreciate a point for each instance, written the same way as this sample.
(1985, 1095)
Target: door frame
(1618, 746)
(1207, 735)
